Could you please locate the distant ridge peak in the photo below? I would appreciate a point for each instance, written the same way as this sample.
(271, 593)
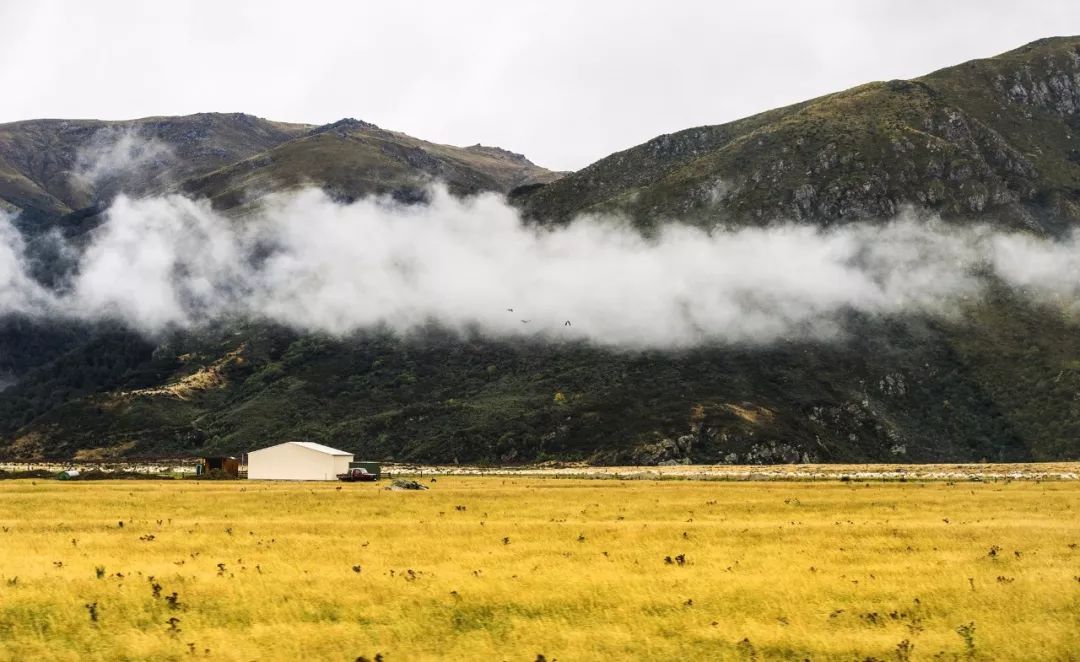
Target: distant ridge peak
(344, 125)
(499, 151)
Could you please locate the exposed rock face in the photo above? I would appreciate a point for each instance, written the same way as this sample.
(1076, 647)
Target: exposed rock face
(1053, 86)
(500, 152)
(343, 126)
(663, 451)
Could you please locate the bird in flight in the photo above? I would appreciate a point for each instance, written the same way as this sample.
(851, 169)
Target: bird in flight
(525, 321)
(567, 323)
(509, 310)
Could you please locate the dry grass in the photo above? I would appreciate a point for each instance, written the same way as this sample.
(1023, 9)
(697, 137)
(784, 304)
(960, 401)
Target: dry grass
(508, 568)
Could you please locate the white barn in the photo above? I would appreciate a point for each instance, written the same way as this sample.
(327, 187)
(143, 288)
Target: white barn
(297, 460)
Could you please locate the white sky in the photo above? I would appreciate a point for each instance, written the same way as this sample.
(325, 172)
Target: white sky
(564, 82)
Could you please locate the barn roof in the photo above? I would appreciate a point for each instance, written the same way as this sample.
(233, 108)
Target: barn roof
(318, 447)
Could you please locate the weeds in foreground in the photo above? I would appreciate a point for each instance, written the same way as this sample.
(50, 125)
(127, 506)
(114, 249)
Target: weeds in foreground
(967, 633)
(904, 650)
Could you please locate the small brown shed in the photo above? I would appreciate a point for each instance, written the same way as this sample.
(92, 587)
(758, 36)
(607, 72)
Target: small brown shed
(225, 464)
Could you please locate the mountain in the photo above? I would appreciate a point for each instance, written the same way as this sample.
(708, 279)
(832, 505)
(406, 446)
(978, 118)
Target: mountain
(62, 173)
(989, 141)
(49, 168)
(996, 140)
(352, 159)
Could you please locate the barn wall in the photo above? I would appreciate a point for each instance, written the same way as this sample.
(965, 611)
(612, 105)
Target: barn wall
(341, 464)
(289, 462)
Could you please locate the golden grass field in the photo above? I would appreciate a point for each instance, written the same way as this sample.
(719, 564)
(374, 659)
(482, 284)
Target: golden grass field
(489, 568)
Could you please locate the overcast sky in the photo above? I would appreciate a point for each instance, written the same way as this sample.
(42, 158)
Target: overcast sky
(564, 82)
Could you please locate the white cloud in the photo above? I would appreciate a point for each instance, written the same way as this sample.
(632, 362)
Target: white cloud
(307, 262)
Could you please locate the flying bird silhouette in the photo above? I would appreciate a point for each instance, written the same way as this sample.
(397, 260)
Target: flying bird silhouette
(509, 310)
(567, 323)
(525, 321)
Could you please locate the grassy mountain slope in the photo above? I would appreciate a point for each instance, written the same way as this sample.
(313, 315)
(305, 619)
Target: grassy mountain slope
(47, 167)
(60, 173)
(351, 159)
(995, 139)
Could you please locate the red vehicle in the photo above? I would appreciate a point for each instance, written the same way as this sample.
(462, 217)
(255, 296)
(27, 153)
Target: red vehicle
(357, 475)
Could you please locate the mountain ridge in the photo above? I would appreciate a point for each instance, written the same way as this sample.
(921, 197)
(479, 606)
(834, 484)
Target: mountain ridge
(1006, 154)
(353, 159)
(228, 157)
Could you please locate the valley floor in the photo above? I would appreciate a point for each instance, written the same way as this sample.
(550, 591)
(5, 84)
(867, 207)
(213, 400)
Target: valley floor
(512, 567)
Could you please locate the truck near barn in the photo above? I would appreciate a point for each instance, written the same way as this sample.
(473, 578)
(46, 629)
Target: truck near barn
(358, 475)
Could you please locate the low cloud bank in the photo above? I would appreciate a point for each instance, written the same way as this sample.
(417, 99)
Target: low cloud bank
(472, 266)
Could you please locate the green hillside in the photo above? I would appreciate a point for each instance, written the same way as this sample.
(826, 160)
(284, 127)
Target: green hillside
(350, 159)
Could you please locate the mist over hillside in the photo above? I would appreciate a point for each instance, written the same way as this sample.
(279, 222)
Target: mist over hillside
(889, 272)
(164, 264)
